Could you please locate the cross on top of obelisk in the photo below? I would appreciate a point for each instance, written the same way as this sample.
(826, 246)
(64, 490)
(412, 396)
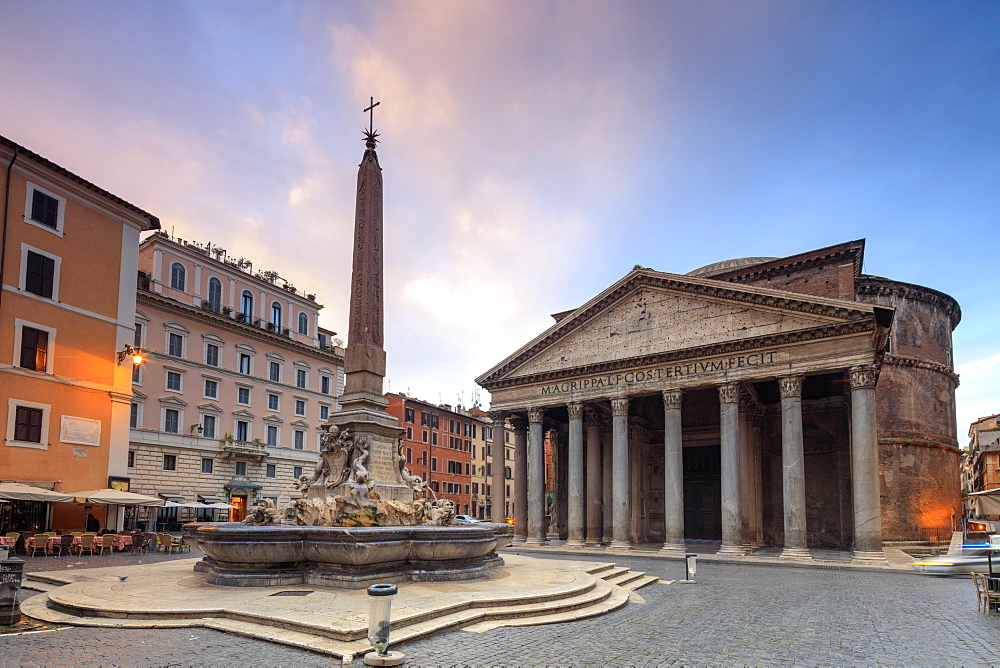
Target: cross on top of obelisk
(371, 137)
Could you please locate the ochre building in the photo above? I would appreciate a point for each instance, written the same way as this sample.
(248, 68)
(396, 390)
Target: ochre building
(789, 403)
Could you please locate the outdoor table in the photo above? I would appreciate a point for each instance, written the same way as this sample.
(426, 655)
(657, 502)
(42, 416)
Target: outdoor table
(121, 542)
(8, 540)
(55, 540)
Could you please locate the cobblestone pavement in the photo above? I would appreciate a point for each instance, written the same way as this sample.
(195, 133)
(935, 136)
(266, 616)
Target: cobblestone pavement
(734, 615)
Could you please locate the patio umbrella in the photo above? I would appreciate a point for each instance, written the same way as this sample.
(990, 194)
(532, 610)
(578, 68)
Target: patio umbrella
(15, 491)
(116, 497)
(219, 506)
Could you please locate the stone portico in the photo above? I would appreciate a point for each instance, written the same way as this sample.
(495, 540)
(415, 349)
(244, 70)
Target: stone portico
(685, 407)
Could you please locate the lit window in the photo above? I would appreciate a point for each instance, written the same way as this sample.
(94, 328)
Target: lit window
(211, 389)
(211, 354)
(304, 324)
(177, 276)
(34, 349)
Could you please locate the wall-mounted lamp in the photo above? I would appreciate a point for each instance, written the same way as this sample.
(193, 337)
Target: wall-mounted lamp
(198, 428)
(133, 352)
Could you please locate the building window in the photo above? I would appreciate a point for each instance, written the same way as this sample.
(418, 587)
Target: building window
(271, 471)
(242, 430)
(173, 381)
(208, 426)
(409, 455)
(300, 407)
(131, 459)
(28, 424)
(324, 413)
(214, 294)
(136, 370)
(299, 439)
(296, 472)
(137, 339)
(276, 315)
(272, 402)
(272, 435)
(434, 463)
(211, 389)
(245, 363)
(175, 345)
(243, 396)
(409, 433)
(409, 415)
(434, 438)
(133, 416)
(424, 435)
(246, 305)
(274, 371)
(300, 378)
(241, 468)
(40, 274)
(177, 276)
(425, 419)
(211, 354)
(207, 464)
(171, 420)
(304, 324)
(324, 384)
(34, 349)
(45, 209)
(169, 462)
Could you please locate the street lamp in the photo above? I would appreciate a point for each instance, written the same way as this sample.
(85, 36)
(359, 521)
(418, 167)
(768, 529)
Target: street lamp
(133, 352)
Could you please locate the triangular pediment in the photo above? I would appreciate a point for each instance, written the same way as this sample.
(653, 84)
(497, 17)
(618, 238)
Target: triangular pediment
(650, 313)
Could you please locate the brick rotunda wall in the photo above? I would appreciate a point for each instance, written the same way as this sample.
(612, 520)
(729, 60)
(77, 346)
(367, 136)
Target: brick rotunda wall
(915, 404)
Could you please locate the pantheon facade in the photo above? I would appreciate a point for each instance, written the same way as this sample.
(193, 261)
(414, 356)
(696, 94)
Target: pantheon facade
(793, 403)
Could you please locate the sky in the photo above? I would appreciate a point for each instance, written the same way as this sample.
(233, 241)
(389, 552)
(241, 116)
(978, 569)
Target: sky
(534, 152)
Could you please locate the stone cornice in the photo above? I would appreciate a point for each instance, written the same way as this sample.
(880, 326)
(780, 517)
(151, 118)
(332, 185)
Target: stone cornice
(879, 286)
(713, 350)
(219, 321)
(917, 363)
(710, 288)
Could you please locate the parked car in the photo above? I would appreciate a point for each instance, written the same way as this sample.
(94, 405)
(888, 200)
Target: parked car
(466, 519)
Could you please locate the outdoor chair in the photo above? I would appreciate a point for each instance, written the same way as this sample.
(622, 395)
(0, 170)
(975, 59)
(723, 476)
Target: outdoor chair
(977, 580)
(138, 543)
(106, 542)
(991, 597)
(167, 543)
(66, 544)
(87, 543)
(38, 544)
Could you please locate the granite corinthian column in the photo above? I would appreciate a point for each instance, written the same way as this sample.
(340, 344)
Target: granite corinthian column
(536, 478)
(864, 466)
(793, 477)
(673, 474)
(498, 481)
(732, 518)
(595, 492)
(619, 475)
(520, 502)
(575, 495)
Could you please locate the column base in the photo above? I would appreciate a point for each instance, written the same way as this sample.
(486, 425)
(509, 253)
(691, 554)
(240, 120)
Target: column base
(576, 543)
(593, 542)
(535, 542)
(795, 553)
(518, 540)
(868, 556)
(620, 546)
(606, 540)
(673, 549)
(731, 551)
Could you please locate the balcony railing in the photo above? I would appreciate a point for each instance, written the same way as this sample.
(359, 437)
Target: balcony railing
(244, 448)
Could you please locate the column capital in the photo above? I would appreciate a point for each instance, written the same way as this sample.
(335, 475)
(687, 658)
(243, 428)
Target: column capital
(518, 422)
(729, 393)
(672, 399)
(863, 376)
(536, 414)
(575, 410)
(591, 414)
(497, 417)
(790, 386)
(619, 406)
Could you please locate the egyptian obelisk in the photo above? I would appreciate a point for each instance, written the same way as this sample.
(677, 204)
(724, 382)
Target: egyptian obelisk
(363, 406)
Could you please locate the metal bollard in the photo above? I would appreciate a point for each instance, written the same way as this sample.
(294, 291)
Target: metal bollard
(380, 597)
(11, 572)
(690, 567)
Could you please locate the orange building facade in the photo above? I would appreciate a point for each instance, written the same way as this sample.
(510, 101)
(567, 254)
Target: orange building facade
(68, 264)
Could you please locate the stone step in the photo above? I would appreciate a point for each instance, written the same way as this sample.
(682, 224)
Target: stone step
(641, 582)
(616, 599)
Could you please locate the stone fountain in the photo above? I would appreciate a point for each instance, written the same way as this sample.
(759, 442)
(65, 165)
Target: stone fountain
(363, 516)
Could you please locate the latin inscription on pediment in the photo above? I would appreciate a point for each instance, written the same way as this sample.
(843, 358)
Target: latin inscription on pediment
(653, 321)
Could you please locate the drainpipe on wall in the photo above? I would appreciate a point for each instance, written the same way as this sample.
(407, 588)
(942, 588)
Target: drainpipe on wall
(6, 208)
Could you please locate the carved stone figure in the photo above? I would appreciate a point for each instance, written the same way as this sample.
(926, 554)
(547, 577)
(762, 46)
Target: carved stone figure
(439, 513)
(265, 512)
(333, 468)
(414, 482)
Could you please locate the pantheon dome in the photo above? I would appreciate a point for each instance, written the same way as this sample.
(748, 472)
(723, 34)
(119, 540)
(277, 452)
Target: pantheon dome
(728, 265)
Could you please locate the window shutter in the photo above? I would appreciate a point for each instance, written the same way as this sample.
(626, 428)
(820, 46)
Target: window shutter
(40, 274)
(34, 346)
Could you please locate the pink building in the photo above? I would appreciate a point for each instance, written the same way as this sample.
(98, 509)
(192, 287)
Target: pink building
(238, 381)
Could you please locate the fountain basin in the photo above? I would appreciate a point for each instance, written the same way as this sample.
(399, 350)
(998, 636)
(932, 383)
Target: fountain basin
(239, 555)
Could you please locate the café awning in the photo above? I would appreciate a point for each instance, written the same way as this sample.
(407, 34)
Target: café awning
(15, 491)
(986, 503)
(116, 497)
(209, 499)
